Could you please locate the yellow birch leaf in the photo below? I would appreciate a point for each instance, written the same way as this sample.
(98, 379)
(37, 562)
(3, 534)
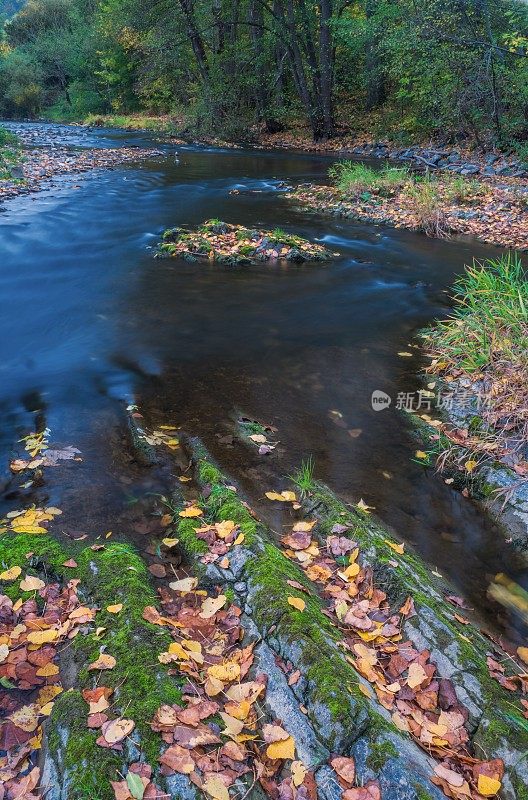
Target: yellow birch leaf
(488, 787)
(297, 603)
(281, 749)
(10, 574)
(191, 511)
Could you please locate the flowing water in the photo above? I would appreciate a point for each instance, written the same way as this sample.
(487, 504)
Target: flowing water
(91, 321)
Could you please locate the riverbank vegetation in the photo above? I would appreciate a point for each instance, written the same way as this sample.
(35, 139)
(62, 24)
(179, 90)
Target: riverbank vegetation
(10, 154)
(480, 355)
(440, 203)
(410, 70)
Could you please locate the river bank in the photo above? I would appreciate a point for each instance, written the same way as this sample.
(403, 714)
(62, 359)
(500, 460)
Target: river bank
(479, 371)
(40, 161)
(493, 207)
(495, 213)
(441, 155)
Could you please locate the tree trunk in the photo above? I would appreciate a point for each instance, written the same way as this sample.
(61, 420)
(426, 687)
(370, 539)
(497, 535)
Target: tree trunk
(195, 38)
(326, 59)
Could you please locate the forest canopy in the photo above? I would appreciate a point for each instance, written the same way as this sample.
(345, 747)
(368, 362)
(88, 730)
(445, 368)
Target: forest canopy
(411, 68)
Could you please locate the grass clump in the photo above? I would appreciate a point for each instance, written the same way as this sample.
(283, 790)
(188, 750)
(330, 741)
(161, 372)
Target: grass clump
(10, 153)
(350, 176)
(485, 339)
(304, 477)
(426, 201)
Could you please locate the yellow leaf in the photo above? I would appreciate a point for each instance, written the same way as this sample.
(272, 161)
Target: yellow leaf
(115, 609)
(352, 570)
(290, 497)
(364, 507)
(184, 479)
(305, 527)
(488, 787)
(42, 637)
(29, 529)
(191, 511)
(228, 671)
(239, 539)
(298, 772)
(48, 693)
(184, 585)
(522, 652)
(47, 709)
(216, 788)
(398, 548)
(211, 605)
(168, 542)
(297, 602)
(281, 749)
(275, 496)
(470, 465)
(10, 574)
(365, 690)
(175, 649)
(48, 670)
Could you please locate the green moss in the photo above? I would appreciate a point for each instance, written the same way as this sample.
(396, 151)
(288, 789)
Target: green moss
(421, 792)
(189, 542)
(379, 754)
(118, 575)
(208, 473)
(115, 574)
(88, 766)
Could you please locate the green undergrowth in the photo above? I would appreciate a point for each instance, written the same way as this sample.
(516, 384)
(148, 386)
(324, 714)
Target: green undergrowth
(10, 154)
(480, 353)
(115, 574)
(135, 122)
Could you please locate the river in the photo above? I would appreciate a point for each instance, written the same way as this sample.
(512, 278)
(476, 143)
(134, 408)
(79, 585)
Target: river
(91, 321)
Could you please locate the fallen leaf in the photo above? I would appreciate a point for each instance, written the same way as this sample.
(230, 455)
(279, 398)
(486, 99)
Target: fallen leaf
(345, 768)
(211, 605)
(191, 511)
(10, 574)
(297, 602)
(284, 748)
(115, 609)
(105, 661)
(216, 788)
(488, 787)
(31, 584)
(184, 585)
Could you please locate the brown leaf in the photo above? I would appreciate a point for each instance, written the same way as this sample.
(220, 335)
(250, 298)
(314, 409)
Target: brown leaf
(345, 768)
